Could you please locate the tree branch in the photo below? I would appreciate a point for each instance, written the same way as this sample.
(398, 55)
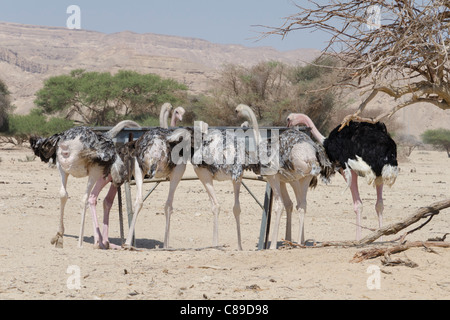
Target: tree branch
(424, 212)
(411, 40)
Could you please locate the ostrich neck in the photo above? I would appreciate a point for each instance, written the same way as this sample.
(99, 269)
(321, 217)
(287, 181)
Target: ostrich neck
(314, 131)
(164, 117)
(255, 126)
(173, 122)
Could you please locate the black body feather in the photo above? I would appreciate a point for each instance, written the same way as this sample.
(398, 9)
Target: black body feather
(369, 141)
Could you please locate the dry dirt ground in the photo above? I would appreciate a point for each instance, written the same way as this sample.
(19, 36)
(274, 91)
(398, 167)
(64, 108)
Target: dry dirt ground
(31, 268)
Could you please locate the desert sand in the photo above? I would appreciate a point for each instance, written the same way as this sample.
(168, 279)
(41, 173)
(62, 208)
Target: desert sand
(31, 268)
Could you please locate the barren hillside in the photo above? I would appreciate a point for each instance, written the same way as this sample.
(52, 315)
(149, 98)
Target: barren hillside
(30, 54)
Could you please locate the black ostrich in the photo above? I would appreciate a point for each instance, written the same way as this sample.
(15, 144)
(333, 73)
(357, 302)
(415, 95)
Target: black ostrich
(359, 149)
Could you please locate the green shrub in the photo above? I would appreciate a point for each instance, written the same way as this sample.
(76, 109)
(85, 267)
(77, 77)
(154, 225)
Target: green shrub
(439, 138)
(21, 127)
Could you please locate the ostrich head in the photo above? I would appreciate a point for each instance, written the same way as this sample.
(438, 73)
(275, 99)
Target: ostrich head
(294, 119)
(177, 115)
(244, 111)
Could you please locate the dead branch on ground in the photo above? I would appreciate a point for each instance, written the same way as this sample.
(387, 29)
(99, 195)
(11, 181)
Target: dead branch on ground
(377, 252)
(422, 213)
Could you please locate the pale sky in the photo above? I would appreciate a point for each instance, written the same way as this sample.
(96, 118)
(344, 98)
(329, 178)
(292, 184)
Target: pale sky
(224, 21)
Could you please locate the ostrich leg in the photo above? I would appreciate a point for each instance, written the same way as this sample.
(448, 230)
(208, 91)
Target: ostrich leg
(91, 182)
(107, 204)
(301, 190)
(277, 208)
(207, 181)
(237, 211)
(57, 240)
(175, 178)
(357, 204)
(139, 179)
(92, 203)
(379, 207)
(288, 205)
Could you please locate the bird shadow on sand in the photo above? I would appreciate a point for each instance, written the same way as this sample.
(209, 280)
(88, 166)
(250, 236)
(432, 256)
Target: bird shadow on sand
(139, 243)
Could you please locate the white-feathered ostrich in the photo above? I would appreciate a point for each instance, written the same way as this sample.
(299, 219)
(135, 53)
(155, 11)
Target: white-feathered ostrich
(298, 161)
(362, 149)
(81, 152)
(151, 155)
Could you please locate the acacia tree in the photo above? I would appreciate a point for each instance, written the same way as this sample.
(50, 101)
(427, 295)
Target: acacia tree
(440, 138)
(100, 98)
(5, 106)
(395, 47)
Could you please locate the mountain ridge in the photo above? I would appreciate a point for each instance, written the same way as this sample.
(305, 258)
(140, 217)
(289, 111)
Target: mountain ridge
(30, 54)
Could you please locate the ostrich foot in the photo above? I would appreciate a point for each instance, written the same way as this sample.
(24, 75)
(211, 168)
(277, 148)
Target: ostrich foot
(101, 245)
(57, 240)
(106, 245)
(114, 246)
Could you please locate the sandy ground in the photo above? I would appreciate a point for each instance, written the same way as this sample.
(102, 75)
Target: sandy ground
(31, 268)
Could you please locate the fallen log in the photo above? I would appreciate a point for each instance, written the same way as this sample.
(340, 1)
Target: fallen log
(424, 212)
(377, 252)
(394, 228)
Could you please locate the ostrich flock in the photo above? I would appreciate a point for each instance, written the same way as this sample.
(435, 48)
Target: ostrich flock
(290, 157)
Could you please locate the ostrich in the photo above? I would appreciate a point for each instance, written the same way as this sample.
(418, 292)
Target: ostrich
(300, 161)
(363, 149)
(151, 155)
(215, 165)
(177, 115)
(81, 152)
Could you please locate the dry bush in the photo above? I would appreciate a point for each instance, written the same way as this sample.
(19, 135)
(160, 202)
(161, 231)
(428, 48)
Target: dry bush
(272, 90)
(404, 54)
